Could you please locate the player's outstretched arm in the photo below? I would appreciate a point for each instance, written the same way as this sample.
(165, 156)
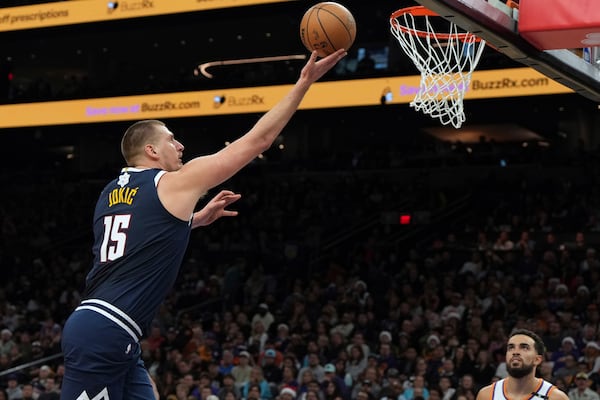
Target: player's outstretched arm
(215, 209)
(203, 173)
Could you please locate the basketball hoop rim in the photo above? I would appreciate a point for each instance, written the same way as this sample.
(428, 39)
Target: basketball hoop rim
(422, 11)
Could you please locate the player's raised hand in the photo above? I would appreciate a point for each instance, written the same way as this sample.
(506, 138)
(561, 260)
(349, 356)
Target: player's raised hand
(315, 69)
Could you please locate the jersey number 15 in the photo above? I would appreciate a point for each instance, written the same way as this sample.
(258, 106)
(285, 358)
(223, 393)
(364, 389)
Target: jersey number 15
(115, 236)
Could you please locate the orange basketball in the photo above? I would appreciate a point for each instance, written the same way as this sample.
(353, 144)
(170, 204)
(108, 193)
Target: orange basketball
(327, 27)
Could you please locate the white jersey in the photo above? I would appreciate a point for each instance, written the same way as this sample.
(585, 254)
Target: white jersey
(541, 393)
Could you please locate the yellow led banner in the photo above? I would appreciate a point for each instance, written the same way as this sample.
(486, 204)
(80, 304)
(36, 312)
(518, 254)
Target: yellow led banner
(350, 93)
(83, 11)
(511, 83)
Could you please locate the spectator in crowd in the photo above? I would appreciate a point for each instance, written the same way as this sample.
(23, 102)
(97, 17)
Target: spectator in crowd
(581, 391)
(307, 377)
(417, 388)
(264, 315)
(447, 388)
(553, 338)
(43, 374)
(210, 349)
(195, 340)
(272, 373)
(591, 357)
(364, 395)
(434, 393)
(27, 392)
(229, 394)
(314, 391)
(386, 358)
(503, 241)
(366, 385)
(545, 371)
(258, 336)
(448, 371)
(331, 390)
(483, 370)
(407, 361)
(287, 394)
(568, 348)
(253, 393)
(192, 386)
(282, 338)
(257, 379)
(358, 339)
(13, 390)
(50, 390)
(331, 375)
(289, 378)
(568, 370)
(346, 325)
(242, 371)
(357, 362)
(207, 386)
(466, 387)
(313, 394)
(226, 363)
(228, 386)
(314, 366)
(393, 390)
(7, 344)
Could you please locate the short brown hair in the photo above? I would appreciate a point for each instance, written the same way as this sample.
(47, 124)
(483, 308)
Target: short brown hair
(136, 137)
(537, 340)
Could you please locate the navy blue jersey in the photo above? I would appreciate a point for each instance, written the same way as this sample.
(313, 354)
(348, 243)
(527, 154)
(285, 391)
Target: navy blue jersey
(138, 247)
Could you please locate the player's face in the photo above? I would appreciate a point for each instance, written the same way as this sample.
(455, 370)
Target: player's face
(521, 356)
(170, 151)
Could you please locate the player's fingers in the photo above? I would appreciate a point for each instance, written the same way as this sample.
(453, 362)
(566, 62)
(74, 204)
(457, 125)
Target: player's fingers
(231, 198)
(313, 56)
(334, 57)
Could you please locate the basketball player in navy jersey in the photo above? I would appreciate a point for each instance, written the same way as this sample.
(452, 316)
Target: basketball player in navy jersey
(524, 353)
(142, 224)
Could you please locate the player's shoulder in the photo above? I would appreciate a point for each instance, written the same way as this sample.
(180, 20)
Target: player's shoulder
(557, 394)
(485, 393)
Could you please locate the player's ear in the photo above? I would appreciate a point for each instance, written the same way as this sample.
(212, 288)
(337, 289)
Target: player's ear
(150, 151)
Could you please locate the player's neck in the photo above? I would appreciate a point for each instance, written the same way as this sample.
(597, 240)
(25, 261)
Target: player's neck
(144, 166)
(525, 386)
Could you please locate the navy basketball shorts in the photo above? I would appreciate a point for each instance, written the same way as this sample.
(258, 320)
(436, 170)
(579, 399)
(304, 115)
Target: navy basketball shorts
(102, 360)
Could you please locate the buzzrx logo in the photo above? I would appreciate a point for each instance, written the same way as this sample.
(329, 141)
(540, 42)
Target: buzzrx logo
(129, 5)
(245, 101)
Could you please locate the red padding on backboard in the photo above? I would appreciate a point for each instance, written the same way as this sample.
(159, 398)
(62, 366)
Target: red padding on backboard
(560, 24)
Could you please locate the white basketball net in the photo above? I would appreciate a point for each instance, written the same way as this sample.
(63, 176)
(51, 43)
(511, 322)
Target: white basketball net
(446, 63)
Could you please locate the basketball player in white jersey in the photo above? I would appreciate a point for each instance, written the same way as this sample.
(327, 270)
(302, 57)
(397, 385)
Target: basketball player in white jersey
(524, 353)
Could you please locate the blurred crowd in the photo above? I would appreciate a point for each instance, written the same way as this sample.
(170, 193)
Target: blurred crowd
(284, 302)
(254, 317)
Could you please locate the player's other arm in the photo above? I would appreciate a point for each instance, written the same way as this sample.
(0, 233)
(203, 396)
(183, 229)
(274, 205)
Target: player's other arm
(201, 174)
